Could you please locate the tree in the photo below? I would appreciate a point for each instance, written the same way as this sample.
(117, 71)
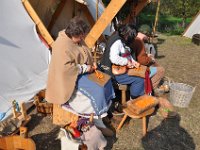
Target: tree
(180, 8)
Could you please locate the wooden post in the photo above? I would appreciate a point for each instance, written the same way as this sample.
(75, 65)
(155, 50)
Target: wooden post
(144, 126)
(122, 122)
(107, 16)
(156, 17)
(23, 132)
(42, 29)
(23, 111)
(97, 16)
(15, 106)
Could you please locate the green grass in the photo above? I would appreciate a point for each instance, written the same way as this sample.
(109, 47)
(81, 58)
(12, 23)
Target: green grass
(166, 24)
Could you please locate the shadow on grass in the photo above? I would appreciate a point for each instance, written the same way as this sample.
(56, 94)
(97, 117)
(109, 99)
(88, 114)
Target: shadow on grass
(169, 135)
(160, 41)
(35, 121)
(160, 57)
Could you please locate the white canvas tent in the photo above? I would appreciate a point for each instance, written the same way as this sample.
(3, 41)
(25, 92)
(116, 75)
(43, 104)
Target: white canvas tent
(24, 58)
(194, 27)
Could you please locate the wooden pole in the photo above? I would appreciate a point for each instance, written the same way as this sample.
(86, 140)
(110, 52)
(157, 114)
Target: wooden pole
(97, 10)
(156, 18)
(97, 16)
(42, 29)
(106, 17)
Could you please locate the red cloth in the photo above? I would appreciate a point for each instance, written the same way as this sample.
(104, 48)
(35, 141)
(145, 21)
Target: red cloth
(147, 83)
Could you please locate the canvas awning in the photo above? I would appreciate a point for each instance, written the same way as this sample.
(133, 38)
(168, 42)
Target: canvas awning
(23, 57)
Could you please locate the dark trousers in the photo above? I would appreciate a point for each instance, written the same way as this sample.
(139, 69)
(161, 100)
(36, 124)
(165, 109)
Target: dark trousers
(136, 84)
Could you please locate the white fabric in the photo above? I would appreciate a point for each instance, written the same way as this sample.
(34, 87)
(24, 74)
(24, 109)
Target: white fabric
(23, 57)
(91, 4)
(194, 27)
(67, 143)
(115, 50)
(81, 104)
(150, 49)
(82, 2)
(94, 139)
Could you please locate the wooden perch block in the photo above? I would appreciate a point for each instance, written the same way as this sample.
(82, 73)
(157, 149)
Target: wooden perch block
(141, 104)
(62, 117)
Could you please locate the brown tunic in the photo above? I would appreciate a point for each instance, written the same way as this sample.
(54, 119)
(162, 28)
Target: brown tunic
(63, 69)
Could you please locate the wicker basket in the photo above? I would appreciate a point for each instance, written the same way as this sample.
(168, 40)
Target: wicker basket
(181, 94)
(43, 106)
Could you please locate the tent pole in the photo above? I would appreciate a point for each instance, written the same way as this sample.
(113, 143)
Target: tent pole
(42, 29)
(97, 16)
(109, 13)
(156, 18)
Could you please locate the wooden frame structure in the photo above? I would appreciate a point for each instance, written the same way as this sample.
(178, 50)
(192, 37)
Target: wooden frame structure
(109, 13)
(17, 142)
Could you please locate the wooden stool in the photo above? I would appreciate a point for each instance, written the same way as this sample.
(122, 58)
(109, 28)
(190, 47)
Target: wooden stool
(17, 142)
(123, 89)
(130, 113)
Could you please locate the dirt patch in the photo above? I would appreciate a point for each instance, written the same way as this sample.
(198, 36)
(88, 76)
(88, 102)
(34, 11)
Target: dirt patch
(181, 60)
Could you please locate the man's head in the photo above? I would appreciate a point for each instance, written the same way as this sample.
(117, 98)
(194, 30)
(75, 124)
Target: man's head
(128, 33)
(77, 29)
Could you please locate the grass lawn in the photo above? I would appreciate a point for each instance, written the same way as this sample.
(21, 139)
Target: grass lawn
(166, 24)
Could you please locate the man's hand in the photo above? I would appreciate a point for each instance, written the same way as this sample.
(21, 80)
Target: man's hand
(133, 64)
(90, 68)
(136, 64)
(152, 58)
(94, 65)
(130, 64)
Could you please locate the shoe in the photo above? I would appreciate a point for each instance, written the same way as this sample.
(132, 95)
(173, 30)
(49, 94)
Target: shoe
(82, 147)
(118, 107)
(158, 91)
(106, 131)
(106, 120)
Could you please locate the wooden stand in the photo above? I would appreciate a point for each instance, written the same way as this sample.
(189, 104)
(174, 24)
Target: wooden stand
(21, 116)
(17, 142)
(42, 107)
(129, 113)
(62, 117)
(123, 89)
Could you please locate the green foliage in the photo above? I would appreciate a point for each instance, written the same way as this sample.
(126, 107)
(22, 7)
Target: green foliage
(180, 8)
(184, 10)
(146, 29)
(166, 24)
